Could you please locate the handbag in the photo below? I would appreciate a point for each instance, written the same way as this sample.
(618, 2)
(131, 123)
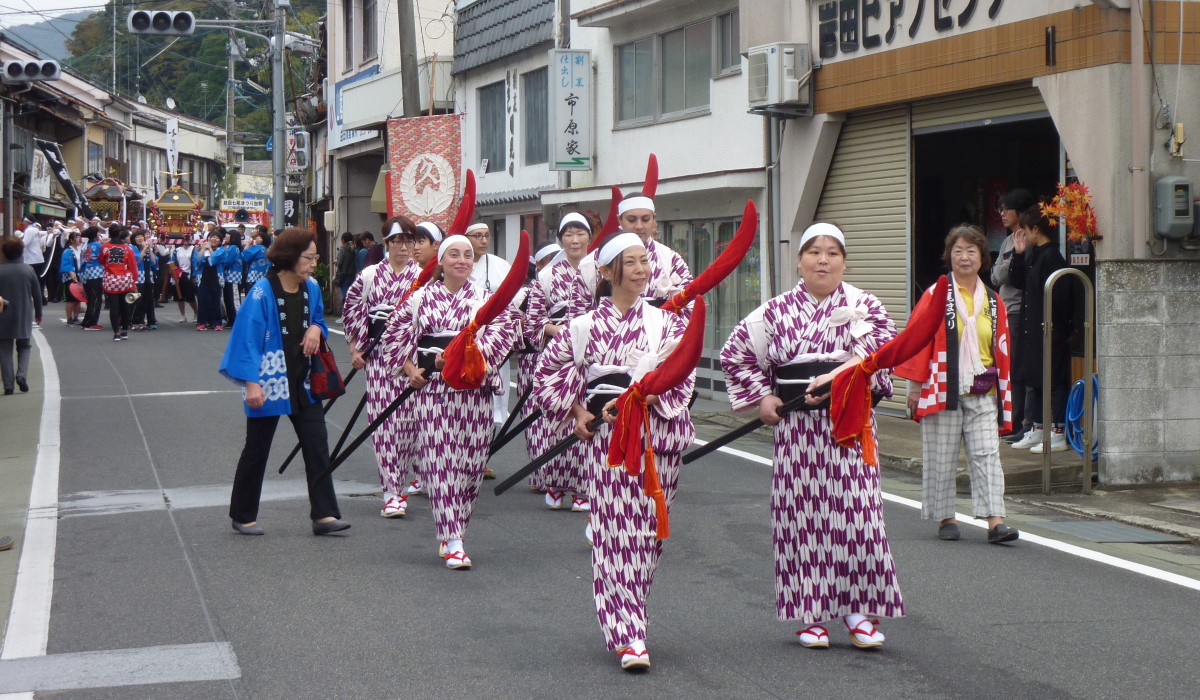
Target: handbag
(324, 380)
(985, 382)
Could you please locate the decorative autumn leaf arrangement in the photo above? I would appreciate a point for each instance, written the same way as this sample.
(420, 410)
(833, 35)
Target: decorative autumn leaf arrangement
(1072, 206)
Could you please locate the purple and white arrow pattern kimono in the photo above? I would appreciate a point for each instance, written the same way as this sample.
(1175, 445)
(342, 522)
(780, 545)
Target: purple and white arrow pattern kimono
(560, 292)
(831, 549)
(625, 552)
(453, 428)
(395, 438)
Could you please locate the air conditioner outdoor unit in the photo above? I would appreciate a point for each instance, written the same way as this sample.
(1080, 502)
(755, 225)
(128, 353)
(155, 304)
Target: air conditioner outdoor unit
(779, 74)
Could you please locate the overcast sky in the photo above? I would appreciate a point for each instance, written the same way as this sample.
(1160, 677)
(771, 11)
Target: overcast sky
(14, 12)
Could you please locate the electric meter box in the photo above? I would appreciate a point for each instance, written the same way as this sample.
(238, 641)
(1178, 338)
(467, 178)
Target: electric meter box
(1173, 216)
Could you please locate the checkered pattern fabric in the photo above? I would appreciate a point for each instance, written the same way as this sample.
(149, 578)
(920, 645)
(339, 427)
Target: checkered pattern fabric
(942, 435)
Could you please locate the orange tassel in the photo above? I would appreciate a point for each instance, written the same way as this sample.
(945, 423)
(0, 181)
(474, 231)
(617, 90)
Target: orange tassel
(474, 366)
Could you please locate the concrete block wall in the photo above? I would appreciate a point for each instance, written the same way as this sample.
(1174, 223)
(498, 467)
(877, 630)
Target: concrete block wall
(1148, 359)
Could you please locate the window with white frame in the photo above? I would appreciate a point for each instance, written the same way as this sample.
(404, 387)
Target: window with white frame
(536, 106)
(729, 58)
(491, 127)
(669, 75)
(95, 158)
(369, 30)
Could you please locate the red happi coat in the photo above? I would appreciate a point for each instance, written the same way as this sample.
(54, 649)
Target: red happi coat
(939, 391)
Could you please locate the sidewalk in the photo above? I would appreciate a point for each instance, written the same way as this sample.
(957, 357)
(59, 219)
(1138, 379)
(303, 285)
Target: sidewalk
(1172, 509)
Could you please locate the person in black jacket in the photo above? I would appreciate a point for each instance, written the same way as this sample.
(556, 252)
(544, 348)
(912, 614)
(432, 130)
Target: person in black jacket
(1035, 258)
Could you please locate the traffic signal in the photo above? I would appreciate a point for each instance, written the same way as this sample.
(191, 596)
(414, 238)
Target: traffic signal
(16, 72)
(160, 23)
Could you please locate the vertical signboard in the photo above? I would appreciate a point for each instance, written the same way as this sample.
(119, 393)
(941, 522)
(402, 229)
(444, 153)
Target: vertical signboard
(571, 109)
(172, 150)
(425, 154)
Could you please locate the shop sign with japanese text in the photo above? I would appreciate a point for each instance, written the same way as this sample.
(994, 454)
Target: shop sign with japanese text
(846, 29)
(571, 109)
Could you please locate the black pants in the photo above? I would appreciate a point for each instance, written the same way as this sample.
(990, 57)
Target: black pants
(95, 296)
(309, 424)
(208, 301)
(120, 314)
(227, 293)
(143, 309)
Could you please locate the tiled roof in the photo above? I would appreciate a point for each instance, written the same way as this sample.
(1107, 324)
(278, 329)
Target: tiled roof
(487, 199)
(489, 30)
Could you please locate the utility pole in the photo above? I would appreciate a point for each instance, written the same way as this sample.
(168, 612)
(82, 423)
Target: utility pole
(410, 90)
(279, 147)
(230, 113)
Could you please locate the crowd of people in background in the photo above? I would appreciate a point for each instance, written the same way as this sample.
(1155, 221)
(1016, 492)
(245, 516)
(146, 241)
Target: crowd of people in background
(92, 265)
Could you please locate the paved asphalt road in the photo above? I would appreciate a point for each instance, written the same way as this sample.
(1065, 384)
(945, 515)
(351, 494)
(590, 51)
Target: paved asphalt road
(147, 566)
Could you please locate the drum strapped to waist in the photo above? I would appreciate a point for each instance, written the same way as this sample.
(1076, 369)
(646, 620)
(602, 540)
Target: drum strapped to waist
(791, 381)
(601, 390)
(429, 348)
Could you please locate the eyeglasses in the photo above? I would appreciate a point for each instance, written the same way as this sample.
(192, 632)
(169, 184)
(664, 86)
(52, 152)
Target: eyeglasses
(311, 258)
(479, 236)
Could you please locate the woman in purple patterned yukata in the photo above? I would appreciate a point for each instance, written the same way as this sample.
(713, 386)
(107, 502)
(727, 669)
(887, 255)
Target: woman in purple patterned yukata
(453, 427)
(832, 558)
(562, 293)
(581, 372)
(370, 300)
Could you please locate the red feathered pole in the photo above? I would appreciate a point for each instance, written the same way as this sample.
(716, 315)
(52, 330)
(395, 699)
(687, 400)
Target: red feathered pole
(651, 184)
(632, 428)
(464, 364)
(850, 400)
(466, 208)
(611, 223)
(725, 263)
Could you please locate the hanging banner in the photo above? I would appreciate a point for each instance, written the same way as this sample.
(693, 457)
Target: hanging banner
(55, 160)
(425, 155)
(172, 150)
(291, 209)
(570, 109)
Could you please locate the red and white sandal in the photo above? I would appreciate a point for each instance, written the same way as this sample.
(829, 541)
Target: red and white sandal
(864, 633)
(554, 499)
(457, 559)
(396, 507)
(580, 504)
(632, 658)
(814, 637)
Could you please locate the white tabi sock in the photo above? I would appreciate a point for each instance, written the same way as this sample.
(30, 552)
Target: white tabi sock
(454, 545)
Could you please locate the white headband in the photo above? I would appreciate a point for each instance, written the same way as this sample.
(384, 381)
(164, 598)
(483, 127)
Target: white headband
(432, 229)
(451, 240)
(546, 250)
(395, 230)
(476, 227)
(634, 203)
(822, 230)
(573, 218)
(615, 245)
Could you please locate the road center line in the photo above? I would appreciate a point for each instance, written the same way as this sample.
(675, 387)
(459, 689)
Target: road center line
(1073, 550)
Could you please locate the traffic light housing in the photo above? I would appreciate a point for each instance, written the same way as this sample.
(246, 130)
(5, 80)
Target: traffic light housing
(17, 72)
(160, 23)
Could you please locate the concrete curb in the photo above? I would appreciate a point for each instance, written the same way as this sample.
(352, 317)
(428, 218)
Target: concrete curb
(1182, 531)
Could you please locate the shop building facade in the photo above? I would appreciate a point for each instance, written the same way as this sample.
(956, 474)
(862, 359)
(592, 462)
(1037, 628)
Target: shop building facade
(925, 113)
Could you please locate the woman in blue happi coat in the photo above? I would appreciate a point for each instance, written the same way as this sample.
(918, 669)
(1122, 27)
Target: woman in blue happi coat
(280, 325)
(254, 257)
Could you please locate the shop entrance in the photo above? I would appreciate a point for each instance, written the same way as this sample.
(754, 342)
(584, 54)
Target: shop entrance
(959, 176)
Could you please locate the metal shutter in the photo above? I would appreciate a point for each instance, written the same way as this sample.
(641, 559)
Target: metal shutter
(978, 108)
(866, 194)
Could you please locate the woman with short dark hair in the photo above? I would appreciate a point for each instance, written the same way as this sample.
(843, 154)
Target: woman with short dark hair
(964, 390)
(280, 327)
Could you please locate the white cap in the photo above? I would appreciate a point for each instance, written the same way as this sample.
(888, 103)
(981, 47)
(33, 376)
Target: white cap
(477, 227)
(641, 202)
(545, 250)
(573, 218)
(395, 230)
(615, 245)
(431, 229)
(451, 240)
(822, 229)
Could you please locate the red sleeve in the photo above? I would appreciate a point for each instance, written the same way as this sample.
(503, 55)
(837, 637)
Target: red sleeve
(916, 367)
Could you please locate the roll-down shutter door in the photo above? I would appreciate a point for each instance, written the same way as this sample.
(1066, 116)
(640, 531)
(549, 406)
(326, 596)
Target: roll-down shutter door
(866, 194)
(978, 108)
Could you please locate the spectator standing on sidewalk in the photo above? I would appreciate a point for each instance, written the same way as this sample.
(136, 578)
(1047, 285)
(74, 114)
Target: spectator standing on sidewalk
(963, 372)
(1011, 206)
(20, 308)
(345, 272)
(34, 238)
(1035, 258)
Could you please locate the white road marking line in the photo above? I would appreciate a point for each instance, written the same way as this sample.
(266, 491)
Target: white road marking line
(160, 393)
(1073, 550)
(180, 663)
(29, 622)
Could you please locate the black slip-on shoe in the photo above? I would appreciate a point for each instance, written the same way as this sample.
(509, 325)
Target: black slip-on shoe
(330, 527)
(22, 384)
(1002, 533)
(248, 529)
(949, 532)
